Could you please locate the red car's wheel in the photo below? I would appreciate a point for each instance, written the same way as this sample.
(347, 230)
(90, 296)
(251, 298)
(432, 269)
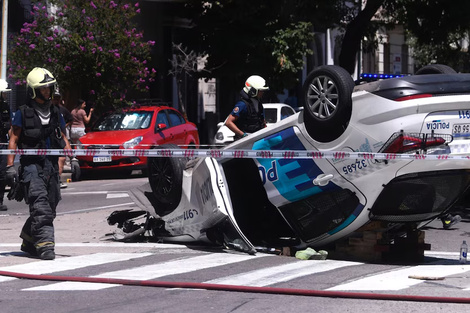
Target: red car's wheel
(327, 102)
(165, 178)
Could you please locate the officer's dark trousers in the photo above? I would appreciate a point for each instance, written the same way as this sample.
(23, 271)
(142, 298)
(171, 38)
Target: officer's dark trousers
(43, 194)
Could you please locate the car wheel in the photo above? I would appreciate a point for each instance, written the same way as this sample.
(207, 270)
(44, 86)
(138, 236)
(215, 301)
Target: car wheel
(166, 177)
(435, 69)
(76, 172)
(327, 102)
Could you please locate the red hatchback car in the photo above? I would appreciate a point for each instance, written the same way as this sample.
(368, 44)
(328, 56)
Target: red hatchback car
(141, 127)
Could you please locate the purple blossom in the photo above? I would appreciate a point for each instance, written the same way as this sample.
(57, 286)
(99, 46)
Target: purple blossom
(57, 45)
(100, 49)
(137, 11)
(151, 43)
(126, 6)
(92, 5)
(32, 46)
(61, 14)
(137, 4)
(117, 55)
(93, 50)
(50, 38)
(82, 48)
(83, 11)
(98, 74)
(67, 68)
(37, 34)
(112, 4)
(119, 69)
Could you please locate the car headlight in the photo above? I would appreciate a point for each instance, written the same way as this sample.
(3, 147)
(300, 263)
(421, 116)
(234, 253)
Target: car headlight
(132, 143)
(219, 136)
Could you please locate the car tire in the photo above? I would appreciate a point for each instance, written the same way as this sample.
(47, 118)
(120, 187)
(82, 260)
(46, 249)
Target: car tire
(165, 176)
(435, 69)
(76, 171)
(327, 102)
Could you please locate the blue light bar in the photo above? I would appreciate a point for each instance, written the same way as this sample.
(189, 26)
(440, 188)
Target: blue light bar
(376, 76)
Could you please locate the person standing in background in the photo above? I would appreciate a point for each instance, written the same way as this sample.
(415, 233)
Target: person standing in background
(5, 119)
(68, 118)
(80, 119)
(248, 114)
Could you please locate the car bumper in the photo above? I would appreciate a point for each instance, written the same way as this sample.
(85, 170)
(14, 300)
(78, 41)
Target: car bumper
(118, 163)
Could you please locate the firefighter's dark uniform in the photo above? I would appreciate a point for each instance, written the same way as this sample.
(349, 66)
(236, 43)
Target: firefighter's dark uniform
(4, 127)
(249, 119)
(40, 176)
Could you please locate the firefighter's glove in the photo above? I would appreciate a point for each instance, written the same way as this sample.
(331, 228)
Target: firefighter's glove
(11, 175)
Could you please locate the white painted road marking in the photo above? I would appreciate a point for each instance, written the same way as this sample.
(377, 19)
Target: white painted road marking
(172, 267)
(398, 279)
(70, 263)
(281, 273)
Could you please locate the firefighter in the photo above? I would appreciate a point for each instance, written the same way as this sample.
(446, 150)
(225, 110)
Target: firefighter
(38, 125)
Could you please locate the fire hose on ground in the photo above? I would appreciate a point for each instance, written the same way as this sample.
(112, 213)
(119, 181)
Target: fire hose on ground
(238, 288)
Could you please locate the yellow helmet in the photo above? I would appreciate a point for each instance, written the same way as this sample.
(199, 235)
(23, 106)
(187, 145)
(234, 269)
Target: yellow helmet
(40, 77)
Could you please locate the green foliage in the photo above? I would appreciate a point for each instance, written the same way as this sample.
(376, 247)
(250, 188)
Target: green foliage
(290, 46)
(436, 30)
(264, 37)
(93, 49)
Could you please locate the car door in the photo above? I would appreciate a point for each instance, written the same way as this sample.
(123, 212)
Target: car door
(177, 127)
(163, 130)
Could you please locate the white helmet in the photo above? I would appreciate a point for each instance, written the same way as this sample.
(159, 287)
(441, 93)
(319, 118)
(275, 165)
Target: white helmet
(253, 84)
(40, 77)
(3, 85)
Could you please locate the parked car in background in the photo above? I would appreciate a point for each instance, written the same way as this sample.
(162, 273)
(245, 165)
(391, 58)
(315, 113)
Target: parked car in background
(273, 113)
(141, 127)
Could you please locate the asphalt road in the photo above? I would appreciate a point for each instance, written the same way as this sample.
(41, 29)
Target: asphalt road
(85, 250)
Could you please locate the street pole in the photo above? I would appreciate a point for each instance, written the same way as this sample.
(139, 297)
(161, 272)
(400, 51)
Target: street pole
(4, 48)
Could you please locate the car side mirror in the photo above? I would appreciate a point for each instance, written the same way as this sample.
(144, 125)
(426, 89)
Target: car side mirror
(160, 127)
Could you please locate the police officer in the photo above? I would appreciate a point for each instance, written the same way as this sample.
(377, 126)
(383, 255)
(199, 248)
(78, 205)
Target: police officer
(4, 128)
(37, 125)
(248, 114)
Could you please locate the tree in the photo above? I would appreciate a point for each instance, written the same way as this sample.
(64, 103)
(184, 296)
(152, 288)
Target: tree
(93, 48)
(268, 38)
(438, 30)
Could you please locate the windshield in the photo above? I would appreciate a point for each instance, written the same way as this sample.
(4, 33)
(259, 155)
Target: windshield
(124, 121)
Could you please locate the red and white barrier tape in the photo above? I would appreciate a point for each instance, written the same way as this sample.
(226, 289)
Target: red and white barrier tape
(238, 153)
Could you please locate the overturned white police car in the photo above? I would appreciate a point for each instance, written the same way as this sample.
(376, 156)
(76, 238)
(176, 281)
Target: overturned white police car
(263, 201)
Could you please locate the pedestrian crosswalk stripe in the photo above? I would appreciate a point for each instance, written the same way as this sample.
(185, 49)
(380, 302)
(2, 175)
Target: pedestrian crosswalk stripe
(399, 279)
(70, 263)
(281, 273)
(147, 272)
(117, 195)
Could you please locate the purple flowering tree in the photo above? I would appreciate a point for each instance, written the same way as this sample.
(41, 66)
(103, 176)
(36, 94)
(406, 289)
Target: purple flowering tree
(93, 48)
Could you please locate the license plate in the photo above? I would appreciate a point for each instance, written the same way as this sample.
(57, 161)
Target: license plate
(102, 159)
(461, 129)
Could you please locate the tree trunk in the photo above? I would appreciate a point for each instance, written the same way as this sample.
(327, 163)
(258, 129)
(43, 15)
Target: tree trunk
(354, 33)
